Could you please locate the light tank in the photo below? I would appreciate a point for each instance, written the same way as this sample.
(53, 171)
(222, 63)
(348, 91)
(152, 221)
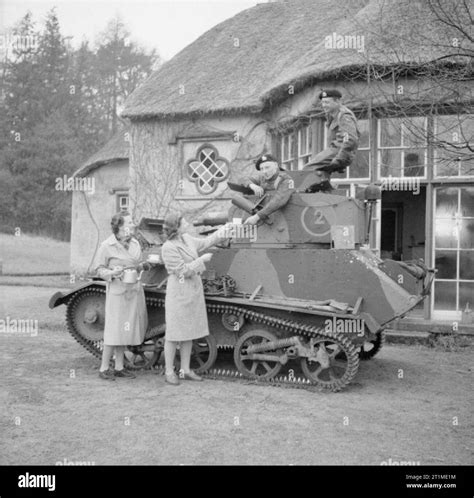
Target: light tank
(298, 299)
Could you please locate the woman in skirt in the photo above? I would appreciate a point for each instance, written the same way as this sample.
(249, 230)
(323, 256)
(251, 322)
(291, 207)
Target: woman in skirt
(126, 316)
(185, 308)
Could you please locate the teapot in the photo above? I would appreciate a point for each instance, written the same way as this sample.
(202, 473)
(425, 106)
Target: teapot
(131, 276)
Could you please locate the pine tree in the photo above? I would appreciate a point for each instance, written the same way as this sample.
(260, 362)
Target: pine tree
(52, 152)
(53, 59)
(121, 66)
(21, 106)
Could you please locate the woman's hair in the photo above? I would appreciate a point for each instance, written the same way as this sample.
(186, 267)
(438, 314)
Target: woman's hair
(171, 224)
(117, 221)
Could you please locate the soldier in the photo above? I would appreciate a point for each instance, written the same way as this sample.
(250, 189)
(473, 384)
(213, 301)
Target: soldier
(271, 179)
(343, 136)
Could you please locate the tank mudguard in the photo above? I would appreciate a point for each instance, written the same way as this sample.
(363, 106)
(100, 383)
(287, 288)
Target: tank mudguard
(59, 298)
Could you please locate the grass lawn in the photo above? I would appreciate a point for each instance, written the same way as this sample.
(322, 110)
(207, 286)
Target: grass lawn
(31, 303)
(30, 254)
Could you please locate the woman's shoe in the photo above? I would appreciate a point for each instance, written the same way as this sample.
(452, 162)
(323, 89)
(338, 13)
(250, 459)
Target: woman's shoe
(192, 376)
(172, 379)
(107, 374)
(124, 373)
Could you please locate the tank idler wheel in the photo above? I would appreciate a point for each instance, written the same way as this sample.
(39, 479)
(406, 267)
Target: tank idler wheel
(203, 354)
(334, 365)
(88, 315)
(85, 319)
(256, 369)
(370, 348)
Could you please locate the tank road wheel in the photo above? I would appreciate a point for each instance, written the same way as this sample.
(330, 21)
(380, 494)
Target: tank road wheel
(145, 355)
(85, 319)
(255, 369)
(334, 364)
(203, 354)
(370, 348)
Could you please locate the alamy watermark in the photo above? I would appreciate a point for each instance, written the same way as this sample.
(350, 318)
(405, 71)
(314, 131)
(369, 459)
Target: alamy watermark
(37, 481)
(345, 326)
(74, 183)
(15, 326)
(65, 461)
(347, 42)
(18, 42)
(239, 231)
(398, 184)
(399, 462)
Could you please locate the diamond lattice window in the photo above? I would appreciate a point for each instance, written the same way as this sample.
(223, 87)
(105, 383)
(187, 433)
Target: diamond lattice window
(207, 169)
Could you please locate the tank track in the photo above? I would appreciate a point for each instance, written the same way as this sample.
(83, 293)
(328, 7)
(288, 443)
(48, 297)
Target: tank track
(85, 343)
(378, 343)
(293, 327)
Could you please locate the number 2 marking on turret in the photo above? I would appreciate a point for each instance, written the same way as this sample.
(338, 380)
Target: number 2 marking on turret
(314, 220)
(319, 218)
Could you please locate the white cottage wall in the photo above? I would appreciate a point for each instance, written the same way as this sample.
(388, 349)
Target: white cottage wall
(160, 150)
(92, 212)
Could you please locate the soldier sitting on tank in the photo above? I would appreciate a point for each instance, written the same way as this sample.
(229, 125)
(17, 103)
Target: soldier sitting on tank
(271, 180)
(343, 139)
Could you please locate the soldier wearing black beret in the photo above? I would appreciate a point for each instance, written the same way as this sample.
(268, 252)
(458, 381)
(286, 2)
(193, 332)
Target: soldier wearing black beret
(272, 180)
(343, 135)
(265, 158)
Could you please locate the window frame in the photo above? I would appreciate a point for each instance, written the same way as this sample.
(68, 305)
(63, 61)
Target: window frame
(291, 143)
(217, 158)
(436, 150)
(379, 148)
(452, 314)
(351, 179)
(121, 195)
(300, 158)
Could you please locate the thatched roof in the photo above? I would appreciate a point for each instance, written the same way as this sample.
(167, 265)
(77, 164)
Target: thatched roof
(118, 147)
(247, 63)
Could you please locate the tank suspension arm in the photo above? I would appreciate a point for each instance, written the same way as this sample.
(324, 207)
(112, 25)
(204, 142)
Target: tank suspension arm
(271, 345)
(283, 359)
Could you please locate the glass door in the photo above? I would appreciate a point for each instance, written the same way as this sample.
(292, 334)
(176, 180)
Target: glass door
(453, 251)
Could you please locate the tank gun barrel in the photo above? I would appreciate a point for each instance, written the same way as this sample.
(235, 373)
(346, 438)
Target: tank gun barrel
(244, 204)
(210, 220)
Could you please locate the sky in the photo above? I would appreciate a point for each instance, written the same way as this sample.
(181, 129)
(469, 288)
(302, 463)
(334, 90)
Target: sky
(167, 26)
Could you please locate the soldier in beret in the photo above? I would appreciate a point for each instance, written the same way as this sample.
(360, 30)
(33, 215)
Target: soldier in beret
(343, 135)
(271, 179)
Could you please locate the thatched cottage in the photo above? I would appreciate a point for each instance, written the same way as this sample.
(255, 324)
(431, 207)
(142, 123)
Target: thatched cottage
(106, 193)
(250, 85)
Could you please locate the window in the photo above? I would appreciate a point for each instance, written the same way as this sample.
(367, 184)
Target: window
(344, 190)
(296, 148)
(454, 248)
(288, 152)
(304, 146)
(359, 169)
(402, 147)
(454, 136)
(122, 202)
(207, 169)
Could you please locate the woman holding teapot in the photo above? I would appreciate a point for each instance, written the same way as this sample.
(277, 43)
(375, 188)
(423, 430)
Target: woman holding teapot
(126, 318)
